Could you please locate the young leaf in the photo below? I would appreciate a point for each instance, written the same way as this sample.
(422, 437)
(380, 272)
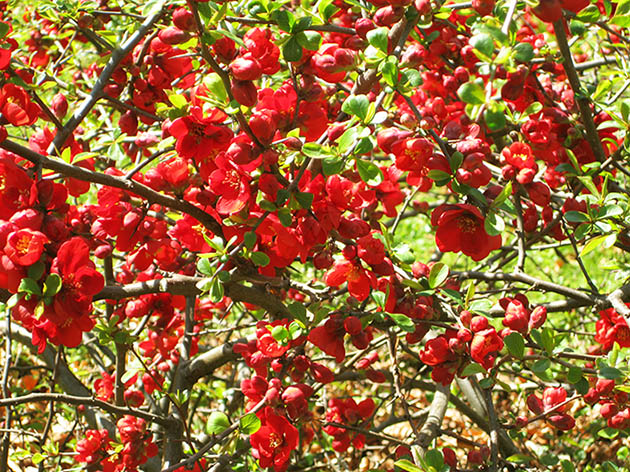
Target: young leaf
(249, 423)
(217, 422)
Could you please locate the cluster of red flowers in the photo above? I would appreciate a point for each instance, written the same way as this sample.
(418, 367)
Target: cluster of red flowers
(611, 328)
(450, 352)
(137, 446)
(614, 404)
(348, 412)
(49, 271)
(553, 406)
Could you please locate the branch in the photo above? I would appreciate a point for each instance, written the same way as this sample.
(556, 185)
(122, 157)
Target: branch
(432, 426)
(582, 101)
(78, 400)
(132, 186)
(533, 281)
(187, 286)
(97, 91)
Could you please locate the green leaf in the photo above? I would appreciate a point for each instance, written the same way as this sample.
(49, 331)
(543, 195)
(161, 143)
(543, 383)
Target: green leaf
(285, 217)
(15, 298)
(472, 369)
(515, 344)
(574, 375)
(434, 458)
(305, 199)
(4, 29)
(356, 105)
(249, 239)
(29, 286)
(519, 459)
(217, 422)
(332, 165)
(576, 217)
(260, 259)
(608, 372)
(378, 38)
(310, 40)
(389, 70)
(523, 52)
(494, 224)
(284, 19)
(348, 139)
(438, 275)
(379, 297)
(298, 311)
(590, 14)
(502, 197)
(280, 333)
(608, 433)
(593, 244)
(495, 119)
(483, 43)
(52, 285)
(472, 93)
(216, 291)
(369, 172)
(403, 321)
(541, 365)
(407, 465)
(302, 23)
(216, 87)
(249, 423)
(178, 100)
(315, 151)
(438, 175)
(35, 271)
(413, 77)
(204, 266)
(326, 9)
(567, 466)
(292, 51)
(547, 339)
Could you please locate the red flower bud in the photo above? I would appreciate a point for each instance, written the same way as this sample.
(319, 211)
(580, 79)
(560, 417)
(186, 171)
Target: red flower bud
(478, 323)
(173, 35)
(184, 19)
(245, 92)
(59, 105)
(363, 26)
(245, 68)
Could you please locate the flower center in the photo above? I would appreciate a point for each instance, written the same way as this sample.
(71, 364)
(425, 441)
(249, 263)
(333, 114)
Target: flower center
(275, 440)
(22, 245)
(467, 224)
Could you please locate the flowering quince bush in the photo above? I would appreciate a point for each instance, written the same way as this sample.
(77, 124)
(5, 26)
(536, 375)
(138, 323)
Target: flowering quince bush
(372, 235)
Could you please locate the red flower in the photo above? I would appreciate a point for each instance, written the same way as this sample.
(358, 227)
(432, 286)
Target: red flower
(329, 337)
(94, 447)
(16, 106)
(25, 246)
(273, 442)
(460, 228)
(359, 280)
(519, 155)
(17, 190)
(73, 304)
(611, 328)
(199, 137)
(484, 347)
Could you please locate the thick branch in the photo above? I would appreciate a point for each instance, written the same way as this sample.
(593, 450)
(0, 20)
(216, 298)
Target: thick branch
(583, 103)
(78, 400)
(532, 281)
(97, 91)
(114, 181)
(187, 286)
